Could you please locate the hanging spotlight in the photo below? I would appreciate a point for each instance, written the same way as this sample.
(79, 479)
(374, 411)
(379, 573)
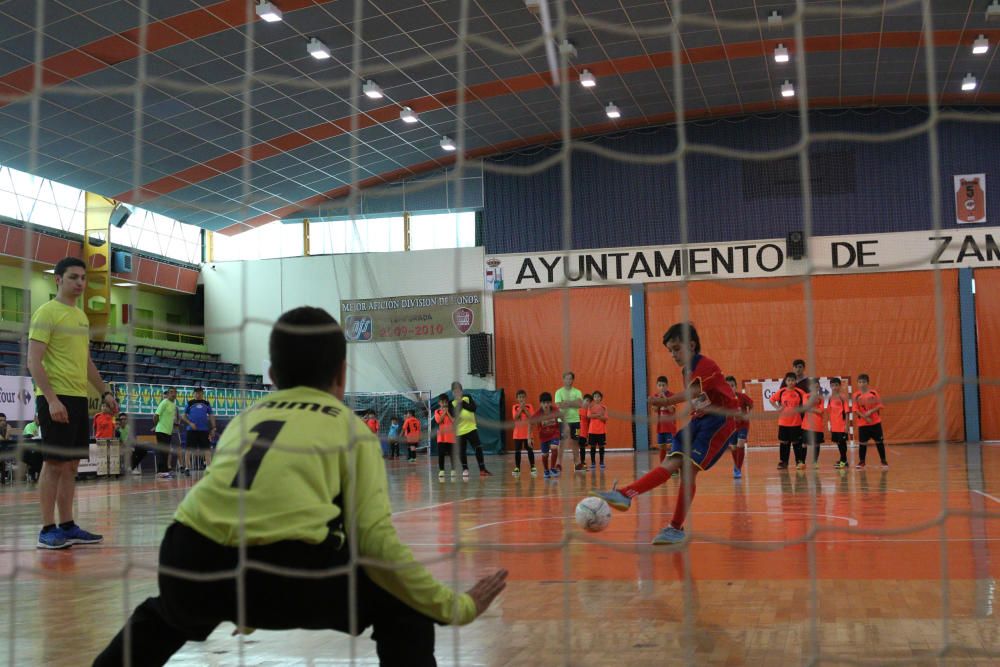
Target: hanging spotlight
(447, 144)
(372, 90)
(981, 45)
(612, 110)
(780, 54)
(587, 80)
(268, 11)
(969, 82)
(787, 89)
(407, 115)
(318, 49)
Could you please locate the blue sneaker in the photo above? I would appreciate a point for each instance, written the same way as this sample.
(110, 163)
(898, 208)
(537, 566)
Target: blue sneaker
(602, 466)
(77, 535)
(53, 539)
(737, 473)
(614, 497)
(669, 535)
(547, 474)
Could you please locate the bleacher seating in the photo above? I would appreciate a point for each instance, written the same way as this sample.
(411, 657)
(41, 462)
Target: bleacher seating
(151, 365)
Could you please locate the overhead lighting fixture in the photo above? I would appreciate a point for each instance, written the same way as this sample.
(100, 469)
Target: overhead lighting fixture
(49, 271)
(780, 54)
(774, 19)
(981, 45)
(612, 110)
(787, 89)
(407, 115)
(587, 80)
(568, 48)
(447, 144)
(318, 49)
(969, 82)
(268, 11)
(993, 11)
(123, 284)
(372, 90)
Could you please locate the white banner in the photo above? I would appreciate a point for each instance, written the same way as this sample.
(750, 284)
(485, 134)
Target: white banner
(970, 198)
(901, 251)
(771, 387)
(17, 398)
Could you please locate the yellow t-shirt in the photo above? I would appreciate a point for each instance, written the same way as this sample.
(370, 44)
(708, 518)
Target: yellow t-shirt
(465, 423)
(310, 450)
(66, 332)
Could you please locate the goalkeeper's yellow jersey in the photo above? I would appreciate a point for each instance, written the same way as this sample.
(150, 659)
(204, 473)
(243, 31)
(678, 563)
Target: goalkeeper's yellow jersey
(302, 450)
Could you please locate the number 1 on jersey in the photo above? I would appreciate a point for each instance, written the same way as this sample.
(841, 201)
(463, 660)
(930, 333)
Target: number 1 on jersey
(266, 433)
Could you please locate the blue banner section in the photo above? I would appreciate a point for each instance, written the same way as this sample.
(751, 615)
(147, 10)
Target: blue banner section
(142, 399)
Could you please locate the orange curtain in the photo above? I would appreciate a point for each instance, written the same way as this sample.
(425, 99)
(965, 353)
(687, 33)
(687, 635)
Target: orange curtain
(532, 331)
(880, 324)
(988, 340)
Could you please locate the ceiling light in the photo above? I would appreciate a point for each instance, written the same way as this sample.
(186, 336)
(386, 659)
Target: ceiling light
(780, 54)
(407, 115)
(49, 271)
(123, 284)
(268, 11)
(981, 45)
(993, 11)
(969, 82)
(447, 144)
(787, 89)
(372, 90)
(587, 80)
(612, 110)
(774, 20)
(566, 47)
(318, 49)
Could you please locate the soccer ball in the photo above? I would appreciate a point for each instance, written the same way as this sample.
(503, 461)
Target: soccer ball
(593, 514)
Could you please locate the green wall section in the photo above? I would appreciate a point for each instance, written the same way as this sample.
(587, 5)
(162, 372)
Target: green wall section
(177, 306)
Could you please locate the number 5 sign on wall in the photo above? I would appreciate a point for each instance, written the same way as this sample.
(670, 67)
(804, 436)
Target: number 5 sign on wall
(970, 198)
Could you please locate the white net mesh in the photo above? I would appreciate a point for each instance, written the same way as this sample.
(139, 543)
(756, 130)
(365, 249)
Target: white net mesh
(243, 300)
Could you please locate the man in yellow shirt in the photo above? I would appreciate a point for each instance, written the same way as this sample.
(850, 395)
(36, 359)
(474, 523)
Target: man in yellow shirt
(299, 481)
(60, 364)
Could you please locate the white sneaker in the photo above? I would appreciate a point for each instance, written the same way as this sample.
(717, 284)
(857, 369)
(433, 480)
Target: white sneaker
(465, 474)
(136, 471)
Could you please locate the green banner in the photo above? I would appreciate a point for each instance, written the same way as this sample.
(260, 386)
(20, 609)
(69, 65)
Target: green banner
(142, 399)
(416, 317)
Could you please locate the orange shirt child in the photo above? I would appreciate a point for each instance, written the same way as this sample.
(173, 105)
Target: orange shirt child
(598, 419)
(869, 400)
(446, 426)
(104, 426)
(789, 399)
(373, 425)
(584, 423)
(837, 410)
(812, 418)
(411, 430)
(521, 416)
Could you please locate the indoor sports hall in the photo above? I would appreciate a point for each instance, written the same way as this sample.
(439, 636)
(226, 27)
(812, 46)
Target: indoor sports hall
(507, 205)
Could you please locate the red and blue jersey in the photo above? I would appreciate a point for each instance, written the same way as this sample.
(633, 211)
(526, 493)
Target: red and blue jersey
(713, 384)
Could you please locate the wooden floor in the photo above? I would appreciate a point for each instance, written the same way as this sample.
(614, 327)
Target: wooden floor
(889, 577)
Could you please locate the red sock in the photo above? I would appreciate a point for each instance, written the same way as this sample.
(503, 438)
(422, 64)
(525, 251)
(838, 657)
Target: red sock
(684, 498)
(553, 458)
(736, 457)
(741, 454)
(647, 482)
(663, 453)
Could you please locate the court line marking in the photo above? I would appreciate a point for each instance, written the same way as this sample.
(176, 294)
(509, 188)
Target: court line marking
(851, 521)
(986, 495)
(729, 543)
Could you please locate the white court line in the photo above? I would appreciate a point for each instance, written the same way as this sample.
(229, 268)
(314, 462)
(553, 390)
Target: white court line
(430, 507)
(850, 520)
(986, 495)
(733, 543)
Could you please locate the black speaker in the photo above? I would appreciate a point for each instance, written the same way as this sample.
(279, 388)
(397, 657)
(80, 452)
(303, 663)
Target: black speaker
(121, 262)
(119, 215)
(480, 354)
(795, 245)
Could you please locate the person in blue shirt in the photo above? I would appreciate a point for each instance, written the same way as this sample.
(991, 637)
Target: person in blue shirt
(200, 420)
(395, 432)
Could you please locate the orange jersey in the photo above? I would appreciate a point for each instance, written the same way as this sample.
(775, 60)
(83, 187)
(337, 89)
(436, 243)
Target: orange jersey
(104, 426)
(598, 413)
(373, 425)
(411, 430)
(789, 400)
(522, 425)
(584, 423)
(665, 421)
(446, 426)
(837, 410)
(870, 400)
(812, 419)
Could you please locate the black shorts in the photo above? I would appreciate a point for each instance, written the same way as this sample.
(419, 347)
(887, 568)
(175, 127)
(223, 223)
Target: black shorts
(810, 437)
(839, 438)
(71, 439)
(198, 440)
(789, 434)
(520, 443)
(571, 430)
(872, 432)
(598, 439)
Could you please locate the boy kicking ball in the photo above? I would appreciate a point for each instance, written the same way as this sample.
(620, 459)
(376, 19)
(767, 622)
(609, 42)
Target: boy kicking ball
(713, 407)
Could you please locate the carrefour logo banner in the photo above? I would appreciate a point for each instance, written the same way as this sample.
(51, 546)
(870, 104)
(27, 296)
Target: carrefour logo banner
(17, 398)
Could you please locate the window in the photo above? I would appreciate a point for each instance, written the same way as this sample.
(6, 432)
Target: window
(143, 323)
(445, 230)
(173, 327)
(14, 306)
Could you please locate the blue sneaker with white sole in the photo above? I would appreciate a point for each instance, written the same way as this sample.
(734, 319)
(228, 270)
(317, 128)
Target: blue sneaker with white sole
(669, 535)
(53, 539)
(737, 473)
(614, 497)
(77, 535)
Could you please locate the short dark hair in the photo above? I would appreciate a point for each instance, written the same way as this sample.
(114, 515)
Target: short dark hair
(730, 378)
(456, 384)
(411, 412)
(545, 397)
(442, 397)
(198, 389)
(307, 349)
(68, 262)
(798, 362)
(680, 331)
(590, 396)
(3, 415)
(835, 380)
(791, 375)
(598, 392)
(570, 373)
(519, 392)
(864, 376)
(663, 379)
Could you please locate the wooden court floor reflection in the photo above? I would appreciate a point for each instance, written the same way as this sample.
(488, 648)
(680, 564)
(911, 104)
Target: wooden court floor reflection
(902, 565)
